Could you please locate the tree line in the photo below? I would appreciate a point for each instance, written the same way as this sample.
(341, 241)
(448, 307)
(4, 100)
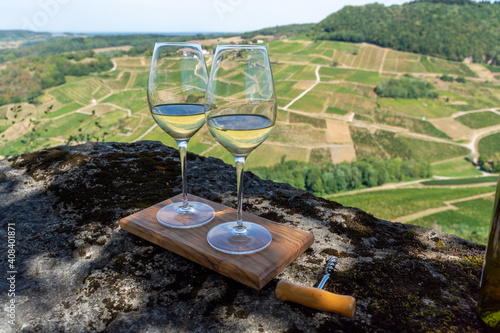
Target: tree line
(405, 87)
(65, 45)
(334, 178)
(287, 30)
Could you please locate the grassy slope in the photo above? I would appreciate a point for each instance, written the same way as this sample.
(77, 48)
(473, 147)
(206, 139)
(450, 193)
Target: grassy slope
(479, 119)
(490, 145)
(471, 221)
(459, 167)
(399, 202)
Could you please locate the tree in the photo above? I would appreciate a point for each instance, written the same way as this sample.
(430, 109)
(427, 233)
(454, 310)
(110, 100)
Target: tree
(340, 177)
(317, 187)
(370, 177)
(312, 176)
(447, 78)
(329, 182)
(299, 180)
(356, 179)
(486, 168)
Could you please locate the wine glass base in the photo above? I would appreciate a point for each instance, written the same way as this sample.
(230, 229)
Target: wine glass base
(226, 237)
(174, 216)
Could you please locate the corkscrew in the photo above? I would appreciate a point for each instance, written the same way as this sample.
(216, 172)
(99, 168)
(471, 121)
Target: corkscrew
(317, 298)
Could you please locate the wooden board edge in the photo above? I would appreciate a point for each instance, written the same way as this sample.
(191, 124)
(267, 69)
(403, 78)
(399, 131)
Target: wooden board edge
(307, 242)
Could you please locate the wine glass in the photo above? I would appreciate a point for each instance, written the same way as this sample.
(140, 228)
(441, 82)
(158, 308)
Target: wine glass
(240, 113)
(176, 97)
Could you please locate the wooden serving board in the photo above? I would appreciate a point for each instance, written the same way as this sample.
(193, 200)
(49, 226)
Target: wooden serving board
(254, 270)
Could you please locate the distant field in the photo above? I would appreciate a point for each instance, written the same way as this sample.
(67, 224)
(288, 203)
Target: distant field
(3, 111)
(282, 47)
(459, 167)
(489, 145)
(81, 91)
(119, 84)
(130, 99)
(461, 181)
(4, 125)
(64, 126)
(310, 102)
(412, 124)
(424, 107)
(141, 80)
(284, 72)
(288, 89)
(471, 221)
(368, 57)
(403, 62)
(471, 96)
(269, 154)
(389, 144)
(300, 133)
(399, 202)
(320, 98)
(479, 119)
(305, 73)
(294, 58)
(360, 76)
(436, 65)
(335, 110)
(66, 109)
(133, 63)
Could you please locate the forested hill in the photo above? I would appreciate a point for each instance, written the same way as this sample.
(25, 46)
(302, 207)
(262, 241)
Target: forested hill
(18, 34)
(451, 29)
(290, 29)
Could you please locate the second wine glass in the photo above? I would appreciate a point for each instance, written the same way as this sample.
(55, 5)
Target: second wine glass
(176, 97)
(241, 112)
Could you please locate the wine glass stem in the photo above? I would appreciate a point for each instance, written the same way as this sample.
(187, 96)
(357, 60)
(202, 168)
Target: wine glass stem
(182, 151)
(240, 165)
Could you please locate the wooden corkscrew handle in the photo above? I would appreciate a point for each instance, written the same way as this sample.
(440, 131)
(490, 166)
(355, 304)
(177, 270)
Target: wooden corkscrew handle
(316, 298)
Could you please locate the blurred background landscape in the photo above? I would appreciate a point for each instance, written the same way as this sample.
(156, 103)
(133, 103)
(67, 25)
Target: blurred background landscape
(392, 109)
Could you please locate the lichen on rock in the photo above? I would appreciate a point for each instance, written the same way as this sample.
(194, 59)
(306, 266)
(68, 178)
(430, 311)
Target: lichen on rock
(79, 272)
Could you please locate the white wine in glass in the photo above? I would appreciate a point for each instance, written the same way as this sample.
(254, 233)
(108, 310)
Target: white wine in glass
(176, 96)
(241, 112)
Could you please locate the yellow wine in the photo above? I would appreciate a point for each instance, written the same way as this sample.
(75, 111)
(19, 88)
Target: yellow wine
(240, 134)
(180, 121)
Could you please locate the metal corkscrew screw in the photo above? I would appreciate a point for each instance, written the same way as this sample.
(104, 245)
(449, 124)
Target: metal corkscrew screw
(329, 268)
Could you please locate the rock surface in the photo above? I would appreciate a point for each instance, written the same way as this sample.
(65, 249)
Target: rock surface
(77, 271)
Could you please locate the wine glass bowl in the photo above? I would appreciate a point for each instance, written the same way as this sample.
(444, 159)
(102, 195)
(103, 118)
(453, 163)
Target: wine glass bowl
(240, 113)
(176, 97)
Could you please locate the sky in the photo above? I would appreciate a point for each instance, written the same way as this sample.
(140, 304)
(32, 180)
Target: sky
(166, 16)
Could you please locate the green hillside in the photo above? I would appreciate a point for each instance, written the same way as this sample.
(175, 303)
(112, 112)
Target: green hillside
(451, 29)
(349, 118)
(140, 42)
(290, 29)
(12, 39)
